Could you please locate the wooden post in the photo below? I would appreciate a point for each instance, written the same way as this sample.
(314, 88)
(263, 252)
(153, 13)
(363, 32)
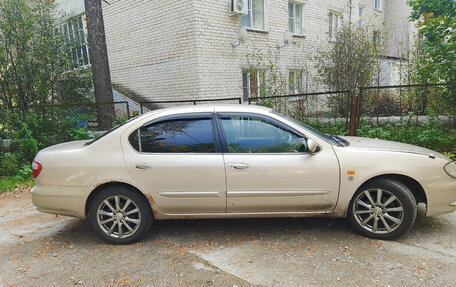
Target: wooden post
(353, 114)
(100, 65)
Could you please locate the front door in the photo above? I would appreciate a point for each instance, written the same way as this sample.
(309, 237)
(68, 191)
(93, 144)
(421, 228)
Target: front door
(177, 161)
(268, 168)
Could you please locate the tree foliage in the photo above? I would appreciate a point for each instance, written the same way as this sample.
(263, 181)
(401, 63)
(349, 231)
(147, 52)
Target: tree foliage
(34, 61)
(436, 21)
(35, 73)
(350, 62)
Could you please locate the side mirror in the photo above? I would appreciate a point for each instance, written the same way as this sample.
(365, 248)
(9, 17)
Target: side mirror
(311, 145)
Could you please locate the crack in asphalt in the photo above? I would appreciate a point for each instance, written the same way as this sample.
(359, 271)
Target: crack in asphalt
(205, 262)
(427, 249)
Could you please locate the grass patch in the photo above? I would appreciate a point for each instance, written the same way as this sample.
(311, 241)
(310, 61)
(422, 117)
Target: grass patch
(9, 183)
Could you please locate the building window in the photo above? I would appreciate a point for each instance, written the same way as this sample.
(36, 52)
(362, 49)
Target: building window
(378, 5)
(376, 39)
(335, 22)
(295, 18)
(361, 17)
(253, 83)
(255, 18)
(296, 81)
(74, 36)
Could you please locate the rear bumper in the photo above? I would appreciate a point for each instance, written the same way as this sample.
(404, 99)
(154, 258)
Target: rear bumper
(62, 200)
(441, 196)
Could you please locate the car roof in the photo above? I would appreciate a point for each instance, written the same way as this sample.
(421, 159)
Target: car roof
(233, 108)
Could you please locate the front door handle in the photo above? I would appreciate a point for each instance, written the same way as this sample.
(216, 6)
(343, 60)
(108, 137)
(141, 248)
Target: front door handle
(142, 166)
(238, 165)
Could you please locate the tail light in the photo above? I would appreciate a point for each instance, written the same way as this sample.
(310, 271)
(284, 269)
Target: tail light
(36, 168)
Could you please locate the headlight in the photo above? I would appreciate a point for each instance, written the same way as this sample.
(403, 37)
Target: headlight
(450, 169)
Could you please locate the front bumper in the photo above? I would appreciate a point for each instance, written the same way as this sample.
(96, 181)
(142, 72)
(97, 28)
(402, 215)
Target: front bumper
(62, 200)
(441, 196)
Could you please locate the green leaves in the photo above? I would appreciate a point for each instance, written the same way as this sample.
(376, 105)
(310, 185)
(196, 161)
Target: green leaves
(436, 20)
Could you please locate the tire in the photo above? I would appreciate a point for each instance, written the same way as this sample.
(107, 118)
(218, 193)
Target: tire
(119, 215)
(368, 214)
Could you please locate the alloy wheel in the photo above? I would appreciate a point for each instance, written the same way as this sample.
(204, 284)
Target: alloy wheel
(378, 211)
(118, 216)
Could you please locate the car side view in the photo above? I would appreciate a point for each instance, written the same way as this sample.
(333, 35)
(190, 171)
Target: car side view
(238, 161)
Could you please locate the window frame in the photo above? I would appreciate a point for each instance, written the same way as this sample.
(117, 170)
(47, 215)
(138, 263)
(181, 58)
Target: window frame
(377, 39)
(186, 116)
(68, 35)
(334, 27)
(260, 85)
(224, 143)
(251, 17)
(378, 5)
(294, 4)
(302, 82)
(361, 16)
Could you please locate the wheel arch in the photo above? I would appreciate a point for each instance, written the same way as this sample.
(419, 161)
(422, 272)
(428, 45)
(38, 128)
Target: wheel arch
(99, 188)
(414, 186)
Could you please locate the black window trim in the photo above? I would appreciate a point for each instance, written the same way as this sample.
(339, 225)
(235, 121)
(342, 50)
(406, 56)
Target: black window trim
(278, 123)
(186, 116)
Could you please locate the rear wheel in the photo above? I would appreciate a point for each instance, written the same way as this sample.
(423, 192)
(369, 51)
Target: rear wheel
(120, 215)
(382, 209)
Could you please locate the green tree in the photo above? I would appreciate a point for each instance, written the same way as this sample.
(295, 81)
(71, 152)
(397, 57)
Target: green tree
(35, 68)
(436, 21)
(350, 62)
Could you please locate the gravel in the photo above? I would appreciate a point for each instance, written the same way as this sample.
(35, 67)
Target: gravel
(38, 249)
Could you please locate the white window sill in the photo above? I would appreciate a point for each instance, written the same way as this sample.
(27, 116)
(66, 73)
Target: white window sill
(256, 30)
(377, 10)
(333, 40)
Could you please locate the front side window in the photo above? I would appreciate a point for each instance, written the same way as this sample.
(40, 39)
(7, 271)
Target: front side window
(296, 81)
(253, 83)
(175, 136)
(295, 18)
(335, 23)
(255, 18)
(250, 134)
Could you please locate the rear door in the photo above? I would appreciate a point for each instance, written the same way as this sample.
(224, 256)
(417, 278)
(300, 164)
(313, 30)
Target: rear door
(178, 161)
(268, 169)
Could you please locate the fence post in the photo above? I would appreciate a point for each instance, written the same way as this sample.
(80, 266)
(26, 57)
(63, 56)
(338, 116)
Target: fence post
(128, 110)
(360, 107)
(353, 113)
(141, 105)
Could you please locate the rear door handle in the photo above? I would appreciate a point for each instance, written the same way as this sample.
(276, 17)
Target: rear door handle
(238, 165)
(142, 166)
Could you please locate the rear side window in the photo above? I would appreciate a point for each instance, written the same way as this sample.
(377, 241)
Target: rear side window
(175, 136)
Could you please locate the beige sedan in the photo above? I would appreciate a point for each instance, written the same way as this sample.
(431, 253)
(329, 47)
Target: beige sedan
(236, 161)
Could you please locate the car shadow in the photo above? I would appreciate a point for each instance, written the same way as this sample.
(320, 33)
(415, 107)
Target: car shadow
(218, 230)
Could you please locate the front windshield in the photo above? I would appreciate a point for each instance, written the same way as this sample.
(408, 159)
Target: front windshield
(327, 138)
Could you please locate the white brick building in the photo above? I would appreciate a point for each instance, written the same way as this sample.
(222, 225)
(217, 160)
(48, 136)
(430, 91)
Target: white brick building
(182, 49)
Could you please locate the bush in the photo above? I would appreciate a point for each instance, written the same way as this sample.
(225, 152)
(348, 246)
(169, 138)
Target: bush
(431, 134)
(9, 164)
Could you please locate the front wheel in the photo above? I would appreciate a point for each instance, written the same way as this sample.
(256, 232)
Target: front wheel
(382, 209)
(120, 215)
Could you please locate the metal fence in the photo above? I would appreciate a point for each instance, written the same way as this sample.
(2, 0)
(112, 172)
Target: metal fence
(153, 105)
(376, 104)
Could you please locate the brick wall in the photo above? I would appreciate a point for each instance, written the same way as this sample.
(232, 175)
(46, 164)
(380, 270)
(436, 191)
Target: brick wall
(181, 49)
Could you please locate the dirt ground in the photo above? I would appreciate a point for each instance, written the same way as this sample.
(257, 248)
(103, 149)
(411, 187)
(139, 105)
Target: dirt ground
(38, 249)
